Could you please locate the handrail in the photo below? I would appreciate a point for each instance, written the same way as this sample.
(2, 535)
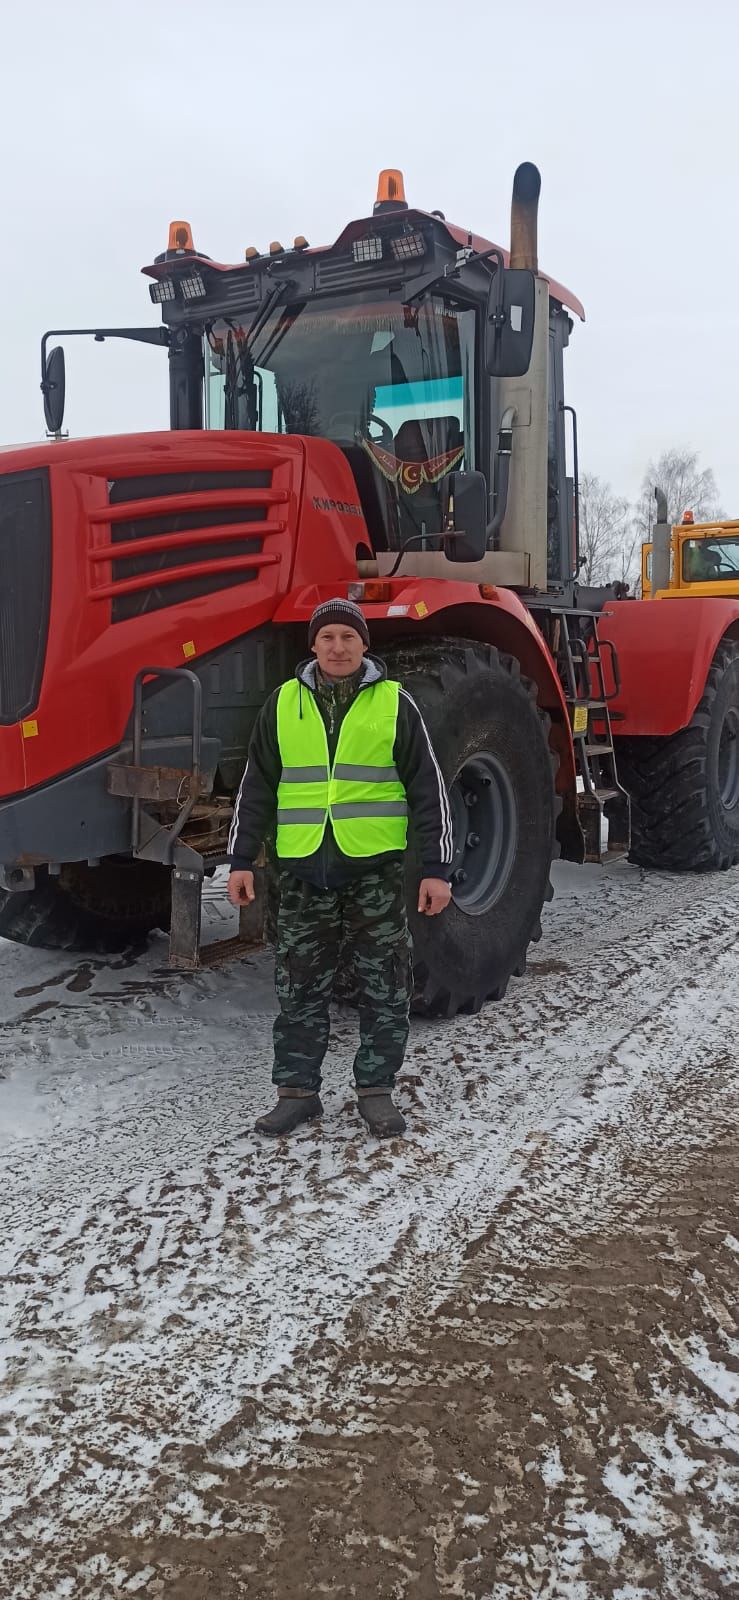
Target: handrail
(177, 674)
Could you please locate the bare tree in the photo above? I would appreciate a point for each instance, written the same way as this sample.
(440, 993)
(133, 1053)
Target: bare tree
(629, 557)
(604, 530)
(688, 487)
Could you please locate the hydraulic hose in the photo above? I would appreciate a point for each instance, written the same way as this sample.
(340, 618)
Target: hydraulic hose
(502, 475)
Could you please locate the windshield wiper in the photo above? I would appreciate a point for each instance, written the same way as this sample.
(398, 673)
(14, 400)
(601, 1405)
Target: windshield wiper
(232, 388)
(278, 334)
(265, 311)
(240, 374)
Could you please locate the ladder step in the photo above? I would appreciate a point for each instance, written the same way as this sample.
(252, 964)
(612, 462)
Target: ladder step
(599, 749)
(600, 795)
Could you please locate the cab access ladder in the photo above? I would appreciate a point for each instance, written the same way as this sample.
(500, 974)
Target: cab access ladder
(581, 654)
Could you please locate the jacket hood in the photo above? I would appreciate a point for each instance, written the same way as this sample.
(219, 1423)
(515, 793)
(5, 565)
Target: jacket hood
(373, 671)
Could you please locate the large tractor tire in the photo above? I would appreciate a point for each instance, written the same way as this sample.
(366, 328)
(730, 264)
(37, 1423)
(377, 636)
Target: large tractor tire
(492, 742)
(685, 790)
(90, 909)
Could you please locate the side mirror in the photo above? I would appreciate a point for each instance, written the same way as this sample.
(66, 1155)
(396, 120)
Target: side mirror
(509, 329)
(53, 386)
(464, 503)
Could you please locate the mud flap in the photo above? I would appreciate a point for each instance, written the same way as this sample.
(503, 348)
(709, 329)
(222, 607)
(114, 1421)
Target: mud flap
(184, 928)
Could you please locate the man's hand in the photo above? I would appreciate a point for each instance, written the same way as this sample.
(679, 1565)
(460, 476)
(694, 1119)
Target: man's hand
(241, 888)
(433, 896)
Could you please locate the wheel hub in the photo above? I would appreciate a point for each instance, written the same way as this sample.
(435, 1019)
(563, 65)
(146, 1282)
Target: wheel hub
(728, 760)
(485, 833)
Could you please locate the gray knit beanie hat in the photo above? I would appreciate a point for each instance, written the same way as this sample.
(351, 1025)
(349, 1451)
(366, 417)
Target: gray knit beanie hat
(338, 610)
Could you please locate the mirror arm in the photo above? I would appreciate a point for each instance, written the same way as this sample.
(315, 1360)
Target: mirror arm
(503, 462)
(498, 316)
(158, 336)
(419, 538)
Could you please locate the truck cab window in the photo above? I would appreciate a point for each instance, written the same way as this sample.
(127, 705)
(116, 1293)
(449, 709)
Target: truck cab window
(709, 560)
(391, 385)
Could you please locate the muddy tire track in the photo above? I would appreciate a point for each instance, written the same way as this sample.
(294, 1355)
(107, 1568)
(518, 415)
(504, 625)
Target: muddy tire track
(233, 1368)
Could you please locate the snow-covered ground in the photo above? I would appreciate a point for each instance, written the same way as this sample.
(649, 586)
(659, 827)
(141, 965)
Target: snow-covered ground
(495, 1360)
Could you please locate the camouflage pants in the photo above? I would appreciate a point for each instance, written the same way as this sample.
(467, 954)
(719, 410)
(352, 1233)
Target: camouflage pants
(366, 922)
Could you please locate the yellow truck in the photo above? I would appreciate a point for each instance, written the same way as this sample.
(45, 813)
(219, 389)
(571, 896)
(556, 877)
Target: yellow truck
(700, 558)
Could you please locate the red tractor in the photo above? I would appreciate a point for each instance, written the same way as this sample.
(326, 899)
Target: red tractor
(384, 418)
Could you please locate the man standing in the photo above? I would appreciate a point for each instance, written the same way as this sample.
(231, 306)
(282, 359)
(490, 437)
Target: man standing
(341, 756)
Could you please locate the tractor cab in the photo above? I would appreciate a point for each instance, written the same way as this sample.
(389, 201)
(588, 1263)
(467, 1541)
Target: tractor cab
(429, 357)
(703, 560)
(420, 350)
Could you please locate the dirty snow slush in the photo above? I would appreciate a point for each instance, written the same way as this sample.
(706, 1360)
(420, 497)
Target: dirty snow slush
(498, 1359)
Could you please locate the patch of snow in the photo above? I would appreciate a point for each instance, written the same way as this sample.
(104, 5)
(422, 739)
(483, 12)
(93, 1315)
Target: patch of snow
(605, 1541)
(645, 1514)
(172, 1281)
(550, 1467)
(717, 1377)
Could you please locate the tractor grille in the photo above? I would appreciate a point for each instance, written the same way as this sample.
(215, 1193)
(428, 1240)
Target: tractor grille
(25, 582)
(165, 542)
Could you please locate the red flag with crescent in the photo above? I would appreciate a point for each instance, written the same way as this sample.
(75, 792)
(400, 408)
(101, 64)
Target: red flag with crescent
(409, 475)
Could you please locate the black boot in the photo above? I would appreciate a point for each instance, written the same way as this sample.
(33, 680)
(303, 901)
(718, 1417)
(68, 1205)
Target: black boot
(381, 1116)
(294, 1106)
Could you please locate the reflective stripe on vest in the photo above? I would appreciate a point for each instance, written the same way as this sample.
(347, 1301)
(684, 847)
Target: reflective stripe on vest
(363, 794)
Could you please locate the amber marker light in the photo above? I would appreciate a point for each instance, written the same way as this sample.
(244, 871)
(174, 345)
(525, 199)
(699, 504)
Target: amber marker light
(371, 591)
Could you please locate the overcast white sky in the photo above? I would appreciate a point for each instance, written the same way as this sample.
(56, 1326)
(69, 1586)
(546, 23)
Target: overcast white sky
(259, 120)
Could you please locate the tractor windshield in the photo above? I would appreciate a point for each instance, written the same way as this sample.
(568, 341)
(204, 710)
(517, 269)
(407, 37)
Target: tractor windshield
(392, 385)
(711, 560)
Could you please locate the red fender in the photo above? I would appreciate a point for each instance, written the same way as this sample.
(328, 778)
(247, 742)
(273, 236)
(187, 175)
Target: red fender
(665, 648)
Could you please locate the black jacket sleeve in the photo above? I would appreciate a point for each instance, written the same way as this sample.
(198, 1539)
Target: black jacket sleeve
(256, 802)
(422, 779)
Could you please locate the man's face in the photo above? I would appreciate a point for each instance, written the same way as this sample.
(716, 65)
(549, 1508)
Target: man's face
(338, 650)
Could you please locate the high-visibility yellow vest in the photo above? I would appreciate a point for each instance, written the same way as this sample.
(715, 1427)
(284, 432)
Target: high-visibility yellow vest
(362, 792)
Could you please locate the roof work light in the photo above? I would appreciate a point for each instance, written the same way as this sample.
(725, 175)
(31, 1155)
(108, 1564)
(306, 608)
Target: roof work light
(408, 246)
(367, 250)
(159, 292)
(191, 286)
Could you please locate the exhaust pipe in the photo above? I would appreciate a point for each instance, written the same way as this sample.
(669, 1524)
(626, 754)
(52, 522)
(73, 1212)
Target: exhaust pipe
(524, 209)
(661, 545)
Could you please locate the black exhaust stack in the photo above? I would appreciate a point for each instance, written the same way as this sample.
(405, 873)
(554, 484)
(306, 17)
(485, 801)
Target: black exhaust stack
(524, 212)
